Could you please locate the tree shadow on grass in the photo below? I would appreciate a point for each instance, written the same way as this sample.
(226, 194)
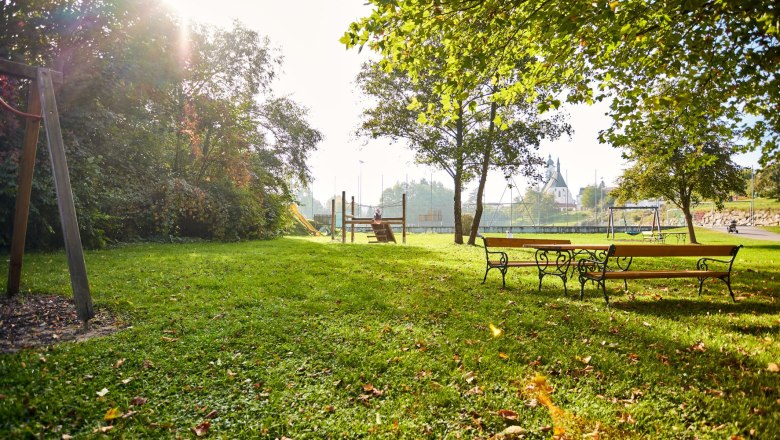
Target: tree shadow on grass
(673, 307)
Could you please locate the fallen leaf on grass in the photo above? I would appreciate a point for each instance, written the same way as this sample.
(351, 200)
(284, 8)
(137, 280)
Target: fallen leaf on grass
(469, 377)
(112, 414)
(369, 388)
(167, 339)
(511, 432)
(102, 392)
(773, 367)
(503, 355)
(202, 429)
(508, 414)
(633, 358)
(495, 331)
(119, 363)
(126, 381)
(128, 414)
(585, 360)
(211, 415)
(138, 401)
(473, 391)
(699, 346)
(625, 417)
(103, 429)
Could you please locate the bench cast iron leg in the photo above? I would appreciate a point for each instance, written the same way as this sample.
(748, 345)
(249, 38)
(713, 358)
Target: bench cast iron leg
(486, 272)
(503, 276)
(541, 275)
(727, 280)
(701, 284)
(604, 288)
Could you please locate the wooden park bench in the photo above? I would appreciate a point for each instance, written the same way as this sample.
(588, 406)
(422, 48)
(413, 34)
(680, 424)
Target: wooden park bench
(616, 264)
(500, 260)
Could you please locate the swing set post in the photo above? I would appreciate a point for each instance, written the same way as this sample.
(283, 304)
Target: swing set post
(42, 106)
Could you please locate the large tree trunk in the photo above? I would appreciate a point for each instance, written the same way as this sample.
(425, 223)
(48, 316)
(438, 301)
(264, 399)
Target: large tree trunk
(458, 179)
(480, 192)
(457, 209)
(483, 177)
(685, 207)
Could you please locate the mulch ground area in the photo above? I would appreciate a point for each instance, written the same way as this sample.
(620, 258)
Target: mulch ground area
(28, 321)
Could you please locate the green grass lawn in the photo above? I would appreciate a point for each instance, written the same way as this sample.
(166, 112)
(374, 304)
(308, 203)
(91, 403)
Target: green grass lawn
(304, 338)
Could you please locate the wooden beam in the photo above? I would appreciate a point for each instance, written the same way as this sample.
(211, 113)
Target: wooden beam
(70, 228)
(333, 219)
(25, 71)
(22, 208)
(403, 217)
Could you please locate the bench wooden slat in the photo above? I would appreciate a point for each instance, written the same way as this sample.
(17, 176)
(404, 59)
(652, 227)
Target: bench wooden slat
(673, 250)
(521, 263)
(519, 242)
(651, 274)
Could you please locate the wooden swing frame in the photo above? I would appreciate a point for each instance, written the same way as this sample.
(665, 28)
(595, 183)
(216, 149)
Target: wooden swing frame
(655, 228)
(42, 106)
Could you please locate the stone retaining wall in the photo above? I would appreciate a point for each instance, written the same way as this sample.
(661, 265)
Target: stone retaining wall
(765, 217)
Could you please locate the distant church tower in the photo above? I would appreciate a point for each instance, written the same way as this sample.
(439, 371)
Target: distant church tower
(556, 185)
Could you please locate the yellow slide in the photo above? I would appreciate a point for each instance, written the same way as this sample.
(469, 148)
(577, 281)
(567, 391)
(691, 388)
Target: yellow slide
(302, 220)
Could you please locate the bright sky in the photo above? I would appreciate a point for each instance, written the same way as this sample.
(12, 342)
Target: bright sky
(319, 73)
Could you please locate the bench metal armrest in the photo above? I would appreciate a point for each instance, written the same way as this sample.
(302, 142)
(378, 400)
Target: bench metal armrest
(503, 259)
(591, 265)
(703, 263)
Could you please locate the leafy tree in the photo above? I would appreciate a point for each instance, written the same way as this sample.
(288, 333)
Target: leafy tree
(482, 135)
(596, 197)
(162, 141)
(423, 198)
(768, 181)
(728, 48)
(540, 206)
(677, 156)
(441, 143)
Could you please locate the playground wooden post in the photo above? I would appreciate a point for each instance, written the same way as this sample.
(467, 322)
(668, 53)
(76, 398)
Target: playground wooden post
(352, 228)
(403, 217)
(70, 226)
(43, 105)
(22, 210)
(333, 219)
(343, 216)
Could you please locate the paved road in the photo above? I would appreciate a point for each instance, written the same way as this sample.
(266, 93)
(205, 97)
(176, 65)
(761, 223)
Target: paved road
(753, 232)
